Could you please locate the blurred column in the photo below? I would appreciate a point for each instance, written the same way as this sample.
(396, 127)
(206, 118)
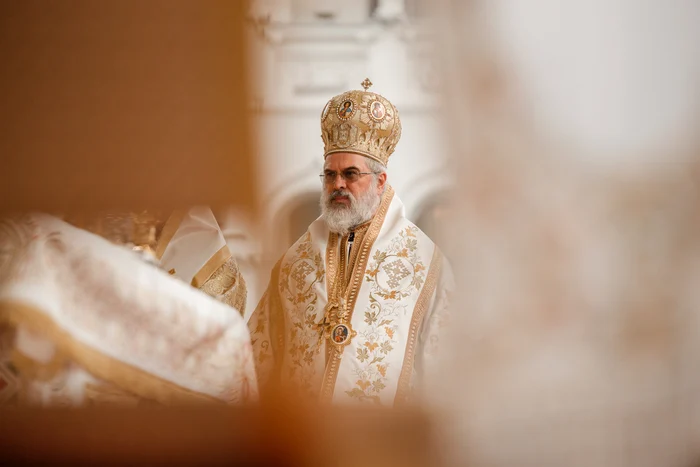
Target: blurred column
(576, 326)
(124, 105)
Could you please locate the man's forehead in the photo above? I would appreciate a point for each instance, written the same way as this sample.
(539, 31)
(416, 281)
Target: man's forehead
(345, 160)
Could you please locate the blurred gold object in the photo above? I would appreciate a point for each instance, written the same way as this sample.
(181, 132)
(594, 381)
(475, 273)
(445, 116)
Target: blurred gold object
(138, 229)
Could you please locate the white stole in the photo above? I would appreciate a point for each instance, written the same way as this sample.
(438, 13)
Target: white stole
(192, 246)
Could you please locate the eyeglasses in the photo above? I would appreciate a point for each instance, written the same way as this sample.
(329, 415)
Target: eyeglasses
(349, 175)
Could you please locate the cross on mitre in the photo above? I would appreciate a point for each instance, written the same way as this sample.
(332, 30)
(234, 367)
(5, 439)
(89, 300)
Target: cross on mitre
(366, 83)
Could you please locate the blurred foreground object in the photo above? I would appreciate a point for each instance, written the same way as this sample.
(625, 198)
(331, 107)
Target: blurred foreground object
(188, 244)
(283, 436)
(91, 323)
(192, 248)
(123, 106)
(578, 341)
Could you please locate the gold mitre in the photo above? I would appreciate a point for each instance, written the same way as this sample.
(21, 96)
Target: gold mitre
(361, 122)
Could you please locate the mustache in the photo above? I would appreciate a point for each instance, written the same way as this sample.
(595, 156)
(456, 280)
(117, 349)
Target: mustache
(337, 193)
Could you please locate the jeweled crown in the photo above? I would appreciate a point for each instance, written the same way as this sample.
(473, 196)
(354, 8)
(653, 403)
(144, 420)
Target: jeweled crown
(361, 122)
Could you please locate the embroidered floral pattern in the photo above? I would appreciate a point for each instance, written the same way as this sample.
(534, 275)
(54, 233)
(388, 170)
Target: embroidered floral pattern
(227, 285)
(378, 340)
(148, 328)
(259, 334)
(394, 274)
(397, 272)
(299, 275)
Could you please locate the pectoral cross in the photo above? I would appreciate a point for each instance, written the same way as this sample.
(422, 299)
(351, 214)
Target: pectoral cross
(327, 321)
(324, 324)
(335, 311)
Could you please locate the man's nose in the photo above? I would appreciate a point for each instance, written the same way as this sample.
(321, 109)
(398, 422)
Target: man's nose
(339, 182)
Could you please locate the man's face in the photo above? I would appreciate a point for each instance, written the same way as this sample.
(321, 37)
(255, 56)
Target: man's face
(346, 204)
(341, 161)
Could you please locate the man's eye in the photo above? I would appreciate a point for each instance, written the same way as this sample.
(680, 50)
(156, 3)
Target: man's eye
(351, 173)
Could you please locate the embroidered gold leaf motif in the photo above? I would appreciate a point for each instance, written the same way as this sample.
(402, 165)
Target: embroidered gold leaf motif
(379, 256)
(309, 357)
(378, 385)
(386, 346)
(362, 354)
(376, 360)
(363, 384)
(371, 346)
(370, 317)
(355, 392)
(417, 282)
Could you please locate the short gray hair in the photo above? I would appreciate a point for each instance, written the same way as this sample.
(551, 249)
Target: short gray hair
(375, 166)
(378, 169)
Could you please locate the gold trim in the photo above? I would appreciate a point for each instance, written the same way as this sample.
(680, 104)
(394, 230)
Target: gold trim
(332, 261)
(326, 110)
(356, 151)
(30, 368)
(168, 232)
(358, 271)
(241, 296)
(99, 365)
(215, 262)
(276, 315)
(359, 236)
(333, 364)
(106, 395)
(419, 311)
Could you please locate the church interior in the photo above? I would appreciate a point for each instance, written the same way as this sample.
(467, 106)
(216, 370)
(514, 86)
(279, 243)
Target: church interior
(178, 268)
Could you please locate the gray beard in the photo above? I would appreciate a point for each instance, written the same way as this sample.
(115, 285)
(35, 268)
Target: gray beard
(341, 219)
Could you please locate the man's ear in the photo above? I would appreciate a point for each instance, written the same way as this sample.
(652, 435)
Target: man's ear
(381, 180)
